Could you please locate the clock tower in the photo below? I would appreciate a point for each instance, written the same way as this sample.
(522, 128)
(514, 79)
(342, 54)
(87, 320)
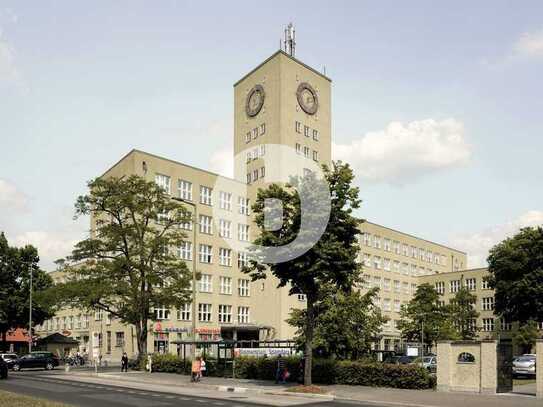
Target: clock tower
(282, 102)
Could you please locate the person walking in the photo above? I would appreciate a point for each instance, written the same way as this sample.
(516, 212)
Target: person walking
(124, 362)
(195, 370)
(280, 370)
(202, 367)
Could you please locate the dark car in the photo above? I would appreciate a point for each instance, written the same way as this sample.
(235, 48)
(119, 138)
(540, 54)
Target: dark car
(3, 369)
(406, 360)
(45, 360)
(9, 358)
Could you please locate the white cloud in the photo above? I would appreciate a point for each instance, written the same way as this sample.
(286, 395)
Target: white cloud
(11, 198)
(8, 70)
(530, 44)
(478, 244)
(51, 245)
(403, 153)
(222, 162)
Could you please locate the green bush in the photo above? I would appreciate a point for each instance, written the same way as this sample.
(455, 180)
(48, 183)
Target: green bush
(325, 371)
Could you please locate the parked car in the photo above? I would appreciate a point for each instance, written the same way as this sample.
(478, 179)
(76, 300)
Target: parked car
(524, 365)
(9, 358)
(429, 363)
(406, 360)
(3, 369)
(45, 360)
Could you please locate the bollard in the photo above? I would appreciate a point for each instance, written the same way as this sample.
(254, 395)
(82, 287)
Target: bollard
(67, 367)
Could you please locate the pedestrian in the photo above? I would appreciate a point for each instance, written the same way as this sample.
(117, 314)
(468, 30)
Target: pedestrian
(124, 362)
(202, 367)
(280, 370)
(195, 370)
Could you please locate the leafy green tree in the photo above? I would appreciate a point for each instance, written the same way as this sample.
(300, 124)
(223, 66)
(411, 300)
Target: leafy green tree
(346, 325)
(129, 264)
(424, 314)
(331, 262)
(16, 263)
(516, 275)
(526, 335)
(463, 314)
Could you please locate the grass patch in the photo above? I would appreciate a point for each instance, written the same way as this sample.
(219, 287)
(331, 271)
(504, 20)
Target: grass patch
(306, 390)
(520, 382)
(17, 400)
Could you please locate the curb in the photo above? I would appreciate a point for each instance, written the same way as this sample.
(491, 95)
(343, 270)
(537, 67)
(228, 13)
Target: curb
(231, 389)
(327, 397)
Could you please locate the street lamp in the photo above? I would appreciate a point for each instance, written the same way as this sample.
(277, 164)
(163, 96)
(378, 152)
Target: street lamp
(30, 312)
(194, 253)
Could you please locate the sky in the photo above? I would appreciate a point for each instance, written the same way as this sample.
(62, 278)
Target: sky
(437, 106)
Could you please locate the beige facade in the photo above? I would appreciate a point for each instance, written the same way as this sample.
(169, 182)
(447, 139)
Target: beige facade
(282, 102)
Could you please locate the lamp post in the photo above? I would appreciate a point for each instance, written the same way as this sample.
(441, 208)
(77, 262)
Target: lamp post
(194, 254)
(30, 312)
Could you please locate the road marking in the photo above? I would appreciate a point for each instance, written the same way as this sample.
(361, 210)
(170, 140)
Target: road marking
(218, 404)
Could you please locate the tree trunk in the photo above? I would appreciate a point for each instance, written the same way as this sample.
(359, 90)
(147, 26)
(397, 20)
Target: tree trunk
(141, 337)
(4, 341)
(309, 328)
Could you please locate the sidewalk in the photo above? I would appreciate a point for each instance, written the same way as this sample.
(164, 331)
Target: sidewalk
(268, 392)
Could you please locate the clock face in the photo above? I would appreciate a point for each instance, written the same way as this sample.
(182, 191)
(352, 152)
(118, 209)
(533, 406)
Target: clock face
(307, 98)
(255, 101)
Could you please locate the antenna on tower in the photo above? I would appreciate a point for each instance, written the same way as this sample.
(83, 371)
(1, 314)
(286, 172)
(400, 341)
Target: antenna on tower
(290, 40)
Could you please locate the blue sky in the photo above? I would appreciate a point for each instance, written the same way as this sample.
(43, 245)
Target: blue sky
(438, 106)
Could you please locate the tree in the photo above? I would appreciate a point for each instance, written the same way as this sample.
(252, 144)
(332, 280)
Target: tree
(128, 265)
(424, 313)
(16, 263)
(516, 274)
(526, 335)
(463, 315)
(331, 261)
(346, 323)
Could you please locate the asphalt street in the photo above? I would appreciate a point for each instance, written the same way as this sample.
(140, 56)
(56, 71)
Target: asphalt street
(33, 383)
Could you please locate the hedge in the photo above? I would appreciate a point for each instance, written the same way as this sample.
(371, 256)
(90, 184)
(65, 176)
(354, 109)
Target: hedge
(325, 371)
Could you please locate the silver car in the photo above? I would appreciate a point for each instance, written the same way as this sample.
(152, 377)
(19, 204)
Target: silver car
(524, 365)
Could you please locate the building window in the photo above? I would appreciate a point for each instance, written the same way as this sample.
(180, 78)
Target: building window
(298, 127)
(243, 232)
(185, 251)
(414, 252)
(242, 260)
(377, 242)
(205, 283)
(377, 262)
(386, 244)
(243, 205)
(485, 285)
(262, 129)
(108, 342)
(163, 181)
(386, 305)
(315, 155)
(396, 247)
(262, 150)
(183, 313)
(397, 305)
(396, 266)
(405, 287)
(302, 297)
(255, 153)
(306, 131)
(204, 312)
(405, 249)
(262, 172)
(187, 225)
(440, 287)
(377, 281)
(505, 325)
(471, 284)
(488, 324)
(413, 288)
(205, 253)
(206, 224)
(466, 357)
(248, 178)
(366, 262)
(454, 286)
(316, 135)
(119, 339)
(243, 287)
(243, 315)
(386, 284)
(225, 285)
(366, 238)
(405, 269)
(306, 152)
(255, 133)
(255, 175)
(225, 257)
(185, 190)
(225, 314)
(206, 194)
(162, 313)
(225, 228)
(397, 286)
(487, 303)
(298, 148)
(225, 200)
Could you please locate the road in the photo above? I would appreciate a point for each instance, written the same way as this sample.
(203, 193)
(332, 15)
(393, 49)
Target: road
(52, 387)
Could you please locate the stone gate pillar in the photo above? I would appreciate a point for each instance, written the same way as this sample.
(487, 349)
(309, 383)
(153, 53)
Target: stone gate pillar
(489, 367)
(539, 367)
(444, 367)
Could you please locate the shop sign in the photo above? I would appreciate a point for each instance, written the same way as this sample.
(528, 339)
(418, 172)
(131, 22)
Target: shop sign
(260, 352)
